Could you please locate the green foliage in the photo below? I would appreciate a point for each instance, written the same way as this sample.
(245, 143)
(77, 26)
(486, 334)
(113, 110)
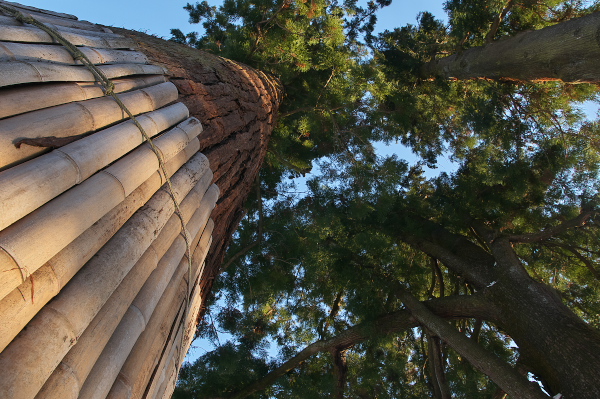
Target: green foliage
(471, 19)
(312, 48)
(320, 258)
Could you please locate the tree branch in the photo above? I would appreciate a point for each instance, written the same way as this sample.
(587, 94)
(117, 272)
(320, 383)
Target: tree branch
(579, 256)
(578, 221)
(340, 372)
(242, 252)
(459, 254)
(438, 377)
(335, 308)
(449, 307)
(500, 372)
(497, 21)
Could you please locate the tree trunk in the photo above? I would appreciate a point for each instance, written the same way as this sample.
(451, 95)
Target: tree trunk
(561, 349)
(553, 342)
(500, 372)
(237, 106)
(568, 51)
(340, 372)
(441, 390)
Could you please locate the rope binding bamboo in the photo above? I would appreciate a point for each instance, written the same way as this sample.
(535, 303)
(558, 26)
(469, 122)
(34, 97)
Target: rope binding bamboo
(108, 88)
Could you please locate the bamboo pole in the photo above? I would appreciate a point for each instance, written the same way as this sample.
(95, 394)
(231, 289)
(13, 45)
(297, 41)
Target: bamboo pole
(46, 16)
(26, 187)
(167, 366)
(10, 51)
(167, 393)
(210, 226)
(39, 10)
(23, 303)
(29, 34)
(33, 355)
(74, 119)
(56, 224)
(169, 247)
(175, 349)
(114, 355)
(178, 348)
(191, 322)
(18, 100)
(136, 372)
(11, 21)
(19, 72)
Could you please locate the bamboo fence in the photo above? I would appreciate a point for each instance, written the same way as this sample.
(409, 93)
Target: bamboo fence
(95, 300)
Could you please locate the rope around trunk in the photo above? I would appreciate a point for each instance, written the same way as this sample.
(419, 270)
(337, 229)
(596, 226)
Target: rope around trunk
(108, 88)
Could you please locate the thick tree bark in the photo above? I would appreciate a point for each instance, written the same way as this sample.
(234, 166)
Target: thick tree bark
(569, 51)
(554, 342)
(340, 372)
(441, 390)
(500, 372)
(237, 105)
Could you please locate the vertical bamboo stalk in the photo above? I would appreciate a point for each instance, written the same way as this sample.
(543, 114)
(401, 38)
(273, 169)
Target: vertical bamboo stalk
(167, 367)
(18, 100)
(32, 356)
(52, 17)
(10, 51)
(167, 247)
(26, 187)
(135, 373)
(168, 387)
(10, 21)
(56, 224)
(31, 34)
(115, 353)
(19, 307)
(75, 119)
(19, 72)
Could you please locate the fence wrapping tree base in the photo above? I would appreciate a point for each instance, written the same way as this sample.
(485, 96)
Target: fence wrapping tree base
(97, 295)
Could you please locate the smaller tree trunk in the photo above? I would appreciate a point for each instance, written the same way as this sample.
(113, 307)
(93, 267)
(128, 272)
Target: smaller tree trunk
(498, 371)
(436, 361)
(340, 372)
(568, 51)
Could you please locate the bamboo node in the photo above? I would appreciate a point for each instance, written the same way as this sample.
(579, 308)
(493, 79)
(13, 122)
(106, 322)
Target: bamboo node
(108, 88)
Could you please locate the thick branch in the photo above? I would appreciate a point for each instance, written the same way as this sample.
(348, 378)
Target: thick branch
(448, 307)
(567, 51)
(500, 372)
(497, 21)
(578, 221)
(340, 372)
(457, 253)
(438, 377)
(240, 253)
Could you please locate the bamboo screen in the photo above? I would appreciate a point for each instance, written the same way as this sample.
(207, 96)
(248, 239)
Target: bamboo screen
(95, 299)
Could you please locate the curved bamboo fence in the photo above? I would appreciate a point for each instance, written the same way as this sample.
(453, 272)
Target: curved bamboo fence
(95, 300)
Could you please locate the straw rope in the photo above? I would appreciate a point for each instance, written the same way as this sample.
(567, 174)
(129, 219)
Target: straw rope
(108, 88)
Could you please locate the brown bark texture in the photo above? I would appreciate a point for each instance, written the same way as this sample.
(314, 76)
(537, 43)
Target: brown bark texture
(237, 105)
(554, 343)
(569, 51)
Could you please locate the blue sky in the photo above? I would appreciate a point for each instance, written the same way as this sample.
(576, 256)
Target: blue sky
(159, 16)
